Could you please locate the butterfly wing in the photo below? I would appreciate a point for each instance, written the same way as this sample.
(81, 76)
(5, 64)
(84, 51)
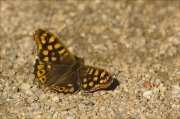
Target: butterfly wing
(69, 85)
(51, 50)
(94, 78)
(63, 72)
(53, 68)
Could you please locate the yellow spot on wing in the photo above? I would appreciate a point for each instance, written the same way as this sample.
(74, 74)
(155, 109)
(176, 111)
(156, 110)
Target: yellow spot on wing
(40, 66)
(43, 38)
(53, 58)
(56, 46)
(49, 66)
(102, 74)
(42, 79)
(95, 78)
(96, 73)
(62, 88)
(91, 71)
(85, 80)
(51, 39)
(71, 89)
(91, 84)
(97, 85)
(104, 80)
(40, 72)
(43, 41)
(66, 90)
(57, 88)
(70, 85)
(49, 47)
(84, 85)
(40, 62)
(40, 46)
(44, 34)
(46, 59)
(45, 52)
(61, 51)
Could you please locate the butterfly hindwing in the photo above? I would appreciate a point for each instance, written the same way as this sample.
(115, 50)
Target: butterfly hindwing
(56, 77)
(94, 78)
(69, 85)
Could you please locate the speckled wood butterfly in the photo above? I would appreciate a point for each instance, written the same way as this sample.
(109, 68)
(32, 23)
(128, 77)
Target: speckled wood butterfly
(63, 72)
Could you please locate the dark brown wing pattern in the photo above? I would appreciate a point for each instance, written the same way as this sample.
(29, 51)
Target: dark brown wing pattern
(94, 78)
(58, 69)
(53, 68)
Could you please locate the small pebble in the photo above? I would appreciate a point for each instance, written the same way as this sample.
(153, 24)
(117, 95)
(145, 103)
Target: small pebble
(55, 98)
(147, 84)
(25, 86)
(147, 93)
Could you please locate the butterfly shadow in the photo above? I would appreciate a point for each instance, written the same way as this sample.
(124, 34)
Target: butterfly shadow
(113, 86)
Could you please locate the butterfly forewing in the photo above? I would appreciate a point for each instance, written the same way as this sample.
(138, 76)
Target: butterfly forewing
(93, 78)
(51, 50)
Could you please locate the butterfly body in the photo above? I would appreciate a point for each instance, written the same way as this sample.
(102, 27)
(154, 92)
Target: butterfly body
(63, 72)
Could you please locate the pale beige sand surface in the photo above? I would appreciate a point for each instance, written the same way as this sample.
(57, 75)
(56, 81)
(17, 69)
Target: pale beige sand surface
(137, 42)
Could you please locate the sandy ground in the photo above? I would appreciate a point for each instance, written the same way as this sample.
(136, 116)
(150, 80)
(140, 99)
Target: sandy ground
(138, 42)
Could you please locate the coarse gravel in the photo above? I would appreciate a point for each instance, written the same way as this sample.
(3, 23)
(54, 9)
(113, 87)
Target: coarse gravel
(137, 41)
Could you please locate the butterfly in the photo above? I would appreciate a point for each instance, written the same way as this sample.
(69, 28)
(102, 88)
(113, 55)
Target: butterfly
(56, 67)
